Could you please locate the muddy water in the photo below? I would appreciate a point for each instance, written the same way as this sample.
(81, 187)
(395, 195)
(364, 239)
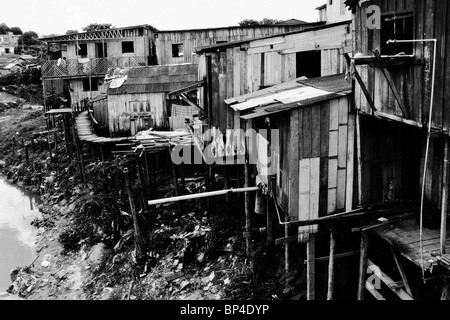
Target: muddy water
(17, 236)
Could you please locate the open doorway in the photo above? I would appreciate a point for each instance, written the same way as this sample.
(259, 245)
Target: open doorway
(391, 161)
(309, 64)
(101, 50)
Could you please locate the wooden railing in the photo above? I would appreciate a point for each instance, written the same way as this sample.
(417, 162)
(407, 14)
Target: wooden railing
(84, 67)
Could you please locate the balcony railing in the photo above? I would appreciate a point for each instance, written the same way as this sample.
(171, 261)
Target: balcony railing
(86, 67)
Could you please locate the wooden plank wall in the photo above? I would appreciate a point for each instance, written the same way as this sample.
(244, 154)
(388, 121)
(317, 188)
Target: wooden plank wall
(54, 85)
(114, 47)
(192, 39)
(237, 71)
(77, 93)
(315, 157)
(101, 113)
(119, 112)
(431, 20)
(228, 80)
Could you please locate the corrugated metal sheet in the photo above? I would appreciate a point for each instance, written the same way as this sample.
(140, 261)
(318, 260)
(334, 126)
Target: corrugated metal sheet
(158, 79)
(293, 94)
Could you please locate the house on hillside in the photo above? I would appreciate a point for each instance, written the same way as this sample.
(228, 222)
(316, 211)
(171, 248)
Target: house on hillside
(8, 42)
(89, 55)
(333, 11)
(141, 100)
(10, 63)
(79, 62)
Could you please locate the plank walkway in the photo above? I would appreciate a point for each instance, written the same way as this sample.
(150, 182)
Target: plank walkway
(405, 236)
(86, 131)
(148, 140)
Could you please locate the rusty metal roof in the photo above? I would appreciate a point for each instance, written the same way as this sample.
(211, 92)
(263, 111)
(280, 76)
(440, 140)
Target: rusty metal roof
(158, 79)
(290, 95)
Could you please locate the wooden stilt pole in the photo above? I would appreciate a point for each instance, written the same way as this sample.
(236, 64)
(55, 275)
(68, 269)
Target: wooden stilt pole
(287, 249)
(330, 294)
(79, 153)
(49, 146)
(359, 156)
(402, 272)
(139, 243)
(102, 153)
(27, 158)
(143, 185)
(444, 206)
(363, 265)
(311, 267)
(445, 294)
(247, 209)
(175, 178)
(225, 181)
(183, 179)
(269, 223)
(147, 169)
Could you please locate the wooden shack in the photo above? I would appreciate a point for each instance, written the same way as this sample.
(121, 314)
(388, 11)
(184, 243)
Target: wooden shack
(314, 148)
(178, 46)
(242, 67)
(400, 63)
(89, 56)
(140, 102)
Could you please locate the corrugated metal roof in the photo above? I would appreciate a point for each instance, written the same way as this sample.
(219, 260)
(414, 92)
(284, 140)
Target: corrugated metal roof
(158, 79)
(7, 59)
(293, 94)
(11, 65)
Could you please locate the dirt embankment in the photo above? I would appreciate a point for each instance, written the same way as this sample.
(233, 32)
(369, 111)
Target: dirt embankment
(86, 248)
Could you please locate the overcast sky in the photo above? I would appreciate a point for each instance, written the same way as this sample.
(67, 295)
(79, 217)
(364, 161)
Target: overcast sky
(56, 17)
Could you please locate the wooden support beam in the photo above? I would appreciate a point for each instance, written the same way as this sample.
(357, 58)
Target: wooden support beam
(287, 246)
(174, 173)
(183, 96)
(311, 268)
(330, 294)
(359, 156)
(363, 265)
(388, 281)
(391, 83)
(391, 117)
(141, 182)
(138, 240)
(444, 205)
(269, 223)
(361, 84)
(402, 272)
(225, 182)
(377, 295)
(202, 195)
(336, 256)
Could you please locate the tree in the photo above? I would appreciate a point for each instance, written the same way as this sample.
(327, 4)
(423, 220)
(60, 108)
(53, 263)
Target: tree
(263, 22)
(4, 28)
(248, 23)
(71, 31)
(28, 38)
(16, 30)
(351, 4)
(97, 26)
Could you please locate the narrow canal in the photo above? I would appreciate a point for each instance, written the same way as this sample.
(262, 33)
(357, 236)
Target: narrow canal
(18, 208)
